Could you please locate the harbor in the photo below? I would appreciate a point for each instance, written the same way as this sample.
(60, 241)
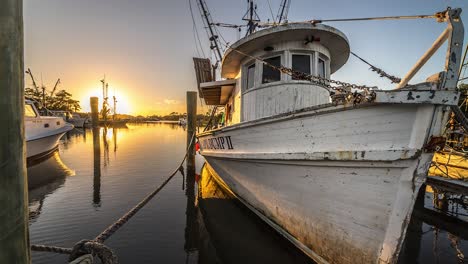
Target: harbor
(282, 138)
(192, 220)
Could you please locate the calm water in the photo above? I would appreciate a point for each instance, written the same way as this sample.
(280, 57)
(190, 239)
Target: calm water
(96, 177)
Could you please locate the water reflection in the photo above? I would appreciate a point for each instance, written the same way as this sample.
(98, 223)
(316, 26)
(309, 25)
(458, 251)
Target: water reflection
(221, 230)
(191, 227)
(438, 230)
(201, 224)
(96, 168)
(43, 179)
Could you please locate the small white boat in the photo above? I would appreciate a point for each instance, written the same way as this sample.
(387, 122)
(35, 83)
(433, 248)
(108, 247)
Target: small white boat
(334, 167)
(42, 133)
(183, 121)
(73, 118)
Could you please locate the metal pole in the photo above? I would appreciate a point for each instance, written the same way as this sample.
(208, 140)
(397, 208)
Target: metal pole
(191, 126)
(94, 101)
(14, 236)
(435, 46)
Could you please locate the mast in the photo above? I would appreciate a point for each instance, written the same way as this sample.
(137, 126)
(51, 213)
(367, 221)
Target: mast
(209, 23)
(115, 107)
(105, 87)
(283, 11)
(55, 87)
(252, 17)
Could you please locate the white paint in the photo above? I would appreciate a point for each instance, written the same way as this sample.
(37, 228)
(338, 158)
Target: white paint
(42, 133)
(342, 181)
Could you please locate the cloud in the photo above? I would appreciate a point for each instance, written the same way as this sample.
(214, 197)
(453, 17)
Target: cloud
(171, 102)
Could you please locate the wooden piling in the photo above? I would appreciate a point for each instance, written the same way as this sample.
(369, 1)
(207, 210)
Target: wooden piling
(191, 126)
(94, 101)
(14, 237)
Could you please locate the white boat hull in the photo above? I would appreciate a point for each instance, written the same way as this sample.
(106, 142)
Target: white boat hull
(42, 145)
(339, 182)
(77, 122)
(43, 133)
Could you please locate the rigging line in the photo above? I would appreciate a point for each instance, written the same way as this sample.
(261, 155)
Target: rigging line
(196, 43)
(440, 16)
(379, 71)
(196, 30)
(221, 36)
(271, 12)
(227, 25)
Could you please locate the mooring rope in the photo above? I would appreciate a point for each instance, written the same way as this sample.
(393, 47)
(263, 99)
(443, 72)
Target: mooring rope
(96, 246)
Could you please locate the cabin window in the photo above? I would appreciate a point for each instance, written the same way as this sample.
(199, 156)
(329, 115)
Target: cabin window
(301, 63)
(321, 68)
(250, 76)
(270, 74)
(29, 111)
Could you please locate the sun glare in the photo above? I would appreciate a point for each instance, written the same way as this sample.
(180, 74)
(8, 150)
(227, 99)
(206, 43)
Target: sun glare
(122, 106)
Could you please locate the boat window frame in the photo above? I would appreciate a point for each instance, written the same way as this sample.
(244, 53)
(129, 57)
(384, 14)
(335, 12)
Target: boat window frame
(247, 67)
(311, 61)
(326, 65)
(273, 55)
(33, 108)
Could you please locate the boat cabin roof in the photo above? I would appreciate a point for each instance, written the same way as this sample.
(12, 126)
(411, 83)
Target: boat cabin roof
(217, 93)
(333, 39)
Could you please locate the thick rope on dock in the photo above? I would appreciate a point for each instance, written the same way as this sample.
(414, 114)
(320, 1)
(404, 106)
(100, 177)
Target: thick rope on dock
(96, 246)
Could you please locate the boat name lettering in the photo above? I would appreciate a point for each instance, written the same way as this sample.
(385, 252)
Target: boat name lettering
(217, 143)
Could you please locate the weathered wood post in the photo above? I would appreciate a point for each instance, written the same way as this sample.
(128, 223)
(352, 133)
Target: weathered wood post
(191, 228)
(14, 237)
(94, 101)
(191, 126)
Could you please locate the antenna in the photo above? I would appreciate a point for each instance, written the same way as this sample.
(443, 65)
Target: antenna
(283, 11)
(251, 16)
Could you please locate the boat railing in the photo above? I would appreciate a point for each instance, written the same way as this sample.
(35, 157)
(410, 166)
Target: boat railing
(453, 33)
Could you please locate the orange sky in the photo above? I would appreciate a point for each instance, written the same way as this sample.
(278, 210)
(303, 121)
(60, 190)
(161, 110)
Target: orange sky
(145, 47)
(80, 41)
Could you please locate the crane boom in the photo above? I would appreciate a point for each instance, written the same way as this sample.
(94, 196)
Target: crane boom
(32, 78)
(209, 24)
(55, 87)
(283, 11)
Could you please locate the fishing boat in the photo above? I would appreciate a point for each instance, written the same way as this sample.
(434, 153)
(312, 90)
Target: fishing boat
(183, 121)
(42, 133)
(73, 118)
(106, 109)
(333, 167)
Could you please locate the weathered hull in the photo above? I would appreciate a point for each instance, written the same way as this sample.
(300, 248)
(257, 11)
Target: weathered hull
(339, 182)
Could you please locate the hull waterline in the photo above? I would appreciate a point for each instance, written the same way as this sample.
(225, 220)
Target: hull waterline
(40, 147)
(338, 183)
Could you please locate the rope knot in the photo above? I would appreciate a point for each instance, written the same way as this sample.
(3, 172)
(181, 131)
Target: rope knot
(104, 253)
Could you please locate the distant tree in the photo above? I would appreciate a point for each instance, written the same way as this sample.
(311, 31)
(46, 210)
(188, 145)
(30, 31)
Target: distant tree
(32, 93)
(63, 101)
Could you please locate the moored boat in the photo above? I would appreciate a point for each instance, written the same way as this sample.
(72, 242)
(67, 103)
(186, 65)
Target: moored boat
(334, 168)
(42, 133)
(73, 118)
